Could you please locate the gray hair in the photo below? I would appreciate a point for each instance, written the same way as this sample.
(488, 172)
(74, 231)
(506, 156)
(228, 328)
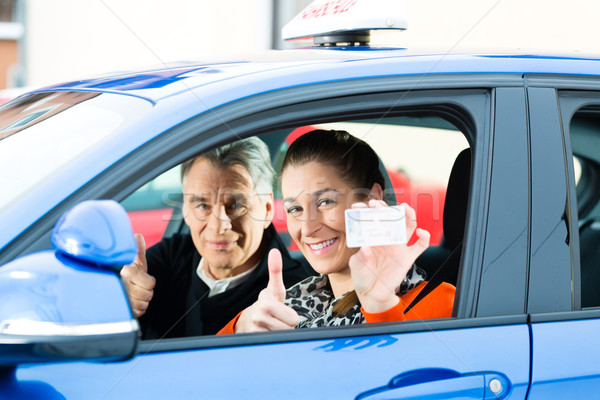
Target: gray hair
(251, 153)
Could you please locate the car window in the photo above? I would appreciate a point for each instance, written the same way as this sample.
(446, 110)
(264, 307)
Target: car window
(585, 141)
(416, 153)
(418, 147)
(152, 207)
(43, 133)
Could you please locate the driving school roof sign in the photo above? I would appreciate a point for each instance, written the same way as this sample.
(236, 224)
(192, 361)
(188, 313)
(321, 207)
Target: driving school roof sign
(340, 18)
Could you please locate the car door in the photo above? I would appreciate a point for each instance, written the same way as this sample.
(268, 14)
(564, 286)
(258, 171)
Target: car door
(564, 322)
(482, 352)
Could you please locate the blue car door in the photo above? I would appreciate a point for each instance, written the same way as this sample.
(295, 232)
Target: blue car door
(435, 362)
(564, 280)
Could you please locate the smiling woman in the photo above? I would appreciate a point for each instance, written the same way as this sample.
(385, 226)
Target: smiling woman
(323, 174)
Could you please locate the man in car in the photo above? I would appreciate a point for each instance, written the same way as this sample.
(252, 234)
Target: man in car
(193, 284)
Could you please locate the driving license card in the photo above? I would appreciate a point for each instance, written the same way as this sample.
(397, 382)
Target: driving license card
(375, 226)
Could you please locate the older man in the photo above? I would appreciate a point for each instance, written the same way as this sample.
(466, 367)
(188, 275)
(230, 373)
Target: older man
(193, 284)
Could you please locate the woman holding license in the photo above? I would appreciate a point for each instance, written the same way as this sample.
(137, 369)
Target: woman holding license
(324, 173)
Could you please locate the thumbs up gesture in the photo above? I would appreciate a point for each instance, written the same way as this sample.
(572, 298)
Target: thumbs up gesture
(269, 313)
(140, 285)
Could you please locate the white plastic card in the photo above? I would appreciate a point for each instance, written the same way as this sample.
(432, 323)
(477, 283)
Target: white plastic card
(380, 226)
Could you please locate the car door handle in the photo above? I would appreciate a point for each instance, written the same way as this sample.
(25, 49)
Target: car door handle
(441, 383)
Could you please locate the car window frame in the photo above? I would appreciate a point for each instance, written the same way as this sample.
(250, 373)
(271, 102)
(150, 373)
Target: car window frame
(324, 103)
(565, 94)
(506, 259)
(571, 102)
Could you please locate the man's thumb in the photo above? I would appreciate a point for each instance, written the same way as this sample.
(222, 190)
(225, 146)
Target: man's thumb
(276, 286)
(141, 257)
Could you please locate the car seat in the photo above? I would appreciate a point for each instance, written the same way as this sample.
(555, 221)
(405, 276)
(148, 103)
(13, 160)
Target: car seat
(454, 217)
(441, 263)
(589, 247)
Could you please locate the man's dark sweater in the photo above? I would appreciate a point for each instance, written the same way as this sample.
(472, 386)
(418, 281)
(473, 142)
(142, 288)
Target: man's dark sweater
(181, 306)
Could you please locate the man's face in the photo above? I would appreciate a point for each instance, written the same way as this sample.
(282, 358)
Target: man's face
(226, 217)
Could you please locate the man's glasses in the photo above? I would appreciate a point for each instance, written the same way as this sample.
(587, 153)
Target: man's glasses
(202, 209)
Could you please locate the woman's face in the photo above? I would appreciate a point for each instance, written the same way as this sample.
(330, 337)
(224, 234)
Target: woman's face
(315, 198)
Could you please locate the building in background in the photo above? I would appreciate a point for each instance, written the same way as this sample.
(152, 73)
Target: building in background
(44, 42)
(72, 39)
(11, 36)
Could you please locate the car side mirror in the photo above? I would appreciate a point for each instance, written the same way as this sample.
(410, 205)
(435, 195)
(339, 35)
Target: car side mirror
(69, 304)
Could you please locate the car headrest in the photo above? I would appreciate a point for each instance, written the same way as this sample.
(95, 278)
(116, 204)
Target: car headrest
(457, 196)
(389, 194)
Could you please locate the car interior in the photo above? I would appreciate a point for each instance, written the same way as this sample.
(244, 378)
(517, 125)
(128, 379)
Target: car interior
(585, 142)
(428, 167)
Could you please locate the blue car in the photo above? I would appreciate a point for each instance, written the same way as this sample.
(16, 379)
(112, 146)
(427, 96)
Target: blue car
(514, 139)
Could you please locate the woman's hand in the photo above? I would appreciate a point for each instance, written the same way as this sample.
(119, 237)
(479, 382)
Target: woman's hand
(269, 313)
(379, 270)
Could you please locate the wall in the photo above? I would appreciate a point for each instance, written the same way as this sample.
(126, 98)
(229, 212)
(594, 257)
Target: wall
(69, 39)
(530, 25)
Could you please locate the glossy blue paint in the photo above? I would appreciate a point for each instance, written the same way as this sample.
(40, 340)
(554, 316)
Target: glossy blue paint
(326, 65)
(324, 369)
(96, 231)
(565, 359)
(49, 287)
(25, 390)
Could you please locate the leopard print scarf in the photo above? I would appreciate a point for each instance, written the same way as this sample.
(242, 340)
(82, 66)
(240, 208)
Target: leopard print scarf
(313, 300)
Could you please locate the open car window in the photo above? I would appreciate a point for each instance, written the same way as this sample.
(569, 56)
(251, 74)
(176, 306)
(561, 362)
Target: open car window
(417, 154)
(584, 131)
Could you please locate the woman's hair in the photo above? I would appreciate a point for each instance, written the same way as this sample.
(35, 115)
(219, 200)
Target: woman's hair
(357, 165)
(356, 162)
(251, 153)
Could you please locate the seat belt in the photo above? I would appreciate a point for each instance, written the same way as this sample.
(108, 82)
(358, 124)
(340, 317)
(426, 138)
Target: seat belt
(442, 273)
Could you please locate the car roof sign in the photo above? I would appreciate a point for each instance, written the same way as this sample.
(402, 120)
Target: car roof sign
(330, 22)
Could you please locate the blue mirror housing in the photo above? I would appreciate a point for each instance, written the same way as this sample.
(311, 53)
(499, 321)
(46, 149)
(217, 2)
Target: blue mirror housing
(55, 308)
(58, 305)
(96, 231)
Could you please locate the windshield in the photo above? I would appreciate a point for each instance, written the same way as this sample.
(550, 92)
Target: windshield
(45, 132)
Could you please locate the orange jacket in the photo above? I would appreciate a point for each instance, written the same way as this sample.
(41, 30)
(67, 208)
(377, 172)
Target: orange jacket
(437, 304)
